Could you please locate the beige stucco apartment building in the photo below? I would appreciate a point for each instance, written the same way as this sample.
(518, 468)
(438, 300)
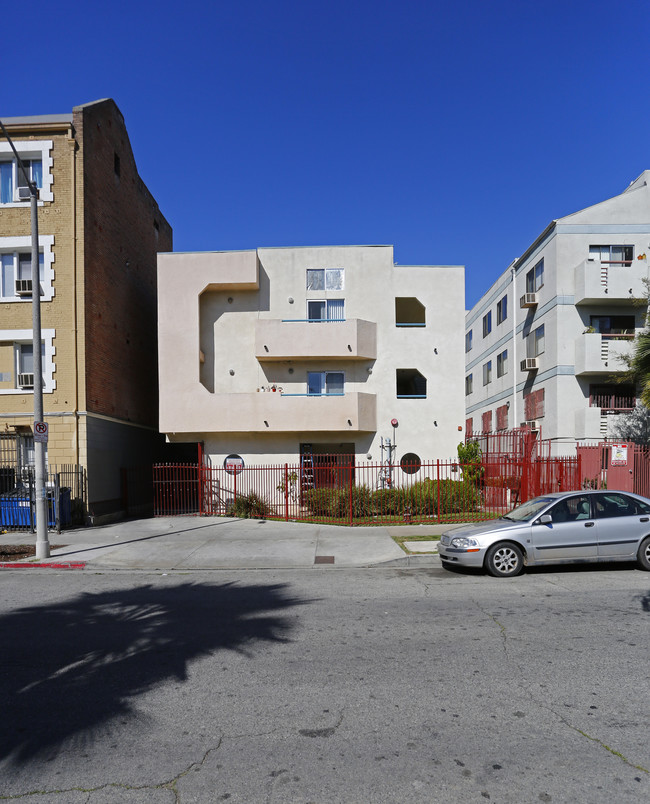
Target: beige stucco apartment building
(272, 353)
(99, 231)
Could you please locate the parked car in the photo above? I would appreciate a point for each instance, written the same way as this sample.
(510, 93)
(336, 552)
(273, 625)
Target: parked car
(563, 528)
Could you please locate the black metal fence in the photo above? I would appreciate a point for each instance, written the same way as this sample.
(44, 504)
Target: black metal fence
(66, 489)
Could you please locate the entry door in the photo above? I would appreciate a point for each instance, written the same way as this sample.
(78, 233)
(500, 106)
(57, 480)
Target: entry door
(571, 536)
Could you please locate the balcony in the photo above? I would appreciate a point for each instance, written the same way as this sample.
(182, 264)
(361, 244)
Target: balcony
(352, 412)
(601, 354)
(611, 282)
(352, 339)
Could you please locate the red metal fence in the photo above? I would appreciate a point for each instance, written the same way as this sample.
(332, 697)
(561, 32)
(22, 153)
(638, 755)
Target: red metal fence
(340, 491)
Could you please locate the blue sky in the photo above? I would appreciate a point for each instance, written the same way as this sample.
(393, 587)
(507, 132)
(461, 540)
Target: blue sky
(455, 131)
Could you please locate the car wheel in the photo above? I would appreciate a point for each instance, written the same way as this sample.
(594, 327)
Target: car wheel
(643, 556)
(504, 560)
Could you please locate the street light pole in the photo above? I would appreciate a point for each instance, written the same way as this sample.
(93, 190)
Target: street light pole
(42, 542)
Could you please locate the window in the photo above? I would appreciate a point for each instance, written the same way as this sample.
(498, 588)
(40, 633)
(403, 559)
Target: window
(502, 363)
(469, 384)
(325, 383)
(613, 327)
(487, 323)
(535, 278)
(534, 405)
(502, 417)
(411, 384)
(487, 372)
(619, 255)
(15, 271)
(35, 156)
(486, 421)
(19, 341)
(327, 310)
(325, 278)
(469, 425)
(572, 510)
(502, 310)
(409, 312)
(16, 268)
(535, 342)
(468, 341)
(25, 364)
(11, 177)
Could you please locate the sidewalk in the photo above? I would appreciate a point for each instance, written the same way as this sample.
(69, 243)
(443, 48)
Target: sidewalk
(185, 543)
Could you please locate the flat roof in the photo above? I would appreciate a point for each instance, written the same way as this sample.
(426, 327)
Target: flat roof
(37, 119)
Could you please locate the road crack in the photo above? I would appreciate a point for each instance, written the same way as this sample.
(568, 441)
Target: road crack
(170, 784)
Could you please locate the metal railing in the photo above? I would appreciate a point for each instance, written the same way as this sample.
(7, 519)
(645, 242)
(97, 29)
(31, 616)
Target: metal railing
(335, 489)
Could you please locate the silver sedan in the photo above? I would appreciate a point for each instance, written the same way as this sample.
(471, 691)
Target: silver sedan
(576, 526)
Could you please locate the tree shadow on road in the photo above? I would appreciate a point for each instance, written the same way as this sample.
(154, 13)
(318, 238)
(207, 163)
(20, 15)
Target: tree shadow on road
(70, 667)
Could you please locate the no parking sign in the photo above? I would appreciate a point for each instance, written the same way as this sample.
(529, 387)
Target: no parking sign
(40, 432)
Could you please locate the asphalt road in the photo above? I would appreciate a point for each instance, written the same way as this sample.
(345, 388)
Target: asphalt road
(325, 685)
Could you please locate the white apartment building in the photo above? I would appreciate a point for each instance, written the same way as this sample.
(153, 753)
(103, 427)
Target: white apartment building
(269, 354)
(544, 343)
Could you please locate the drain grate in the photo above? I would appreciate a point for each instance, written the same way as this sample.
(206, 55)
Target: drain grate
(324, 560)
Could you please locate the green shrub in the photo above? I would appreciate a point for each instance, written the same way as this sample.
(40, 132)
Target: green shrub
(249, 506)
(388, 502)
(319, 501)
(336, 502)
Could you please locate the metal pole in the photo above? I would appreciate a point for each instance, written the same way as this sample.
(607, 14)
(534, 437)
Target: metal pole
(42, 543)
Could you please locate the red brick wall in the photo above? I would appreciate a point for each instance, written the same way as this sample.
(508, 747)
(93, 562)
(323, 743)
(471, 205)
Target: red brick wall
(120, 246)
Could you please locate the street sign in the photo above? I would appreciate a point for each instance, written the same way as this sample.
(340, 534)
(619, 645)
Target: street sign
(233, 464)
(40, 432)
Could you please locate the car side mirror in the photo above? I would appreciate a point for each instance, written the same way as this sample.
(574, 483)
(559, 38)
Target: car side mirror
(545, 519)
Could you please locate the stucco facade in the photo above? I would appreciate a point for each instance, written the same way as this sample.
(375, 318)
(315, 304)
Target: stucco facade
(263, 352)
(573, 306)
(99, 231)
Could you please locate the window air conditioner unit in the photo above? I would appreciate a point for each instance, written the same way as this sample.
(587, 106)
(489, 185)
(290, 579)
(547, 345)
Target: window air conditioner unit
(26, 380)
(528, 300)
(23, 287)
(529, 364)
(531, 424)
(22, 194)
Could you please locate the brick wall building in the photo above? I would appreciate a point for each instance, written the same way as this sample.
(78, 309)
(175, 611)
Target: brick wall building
(99, 231)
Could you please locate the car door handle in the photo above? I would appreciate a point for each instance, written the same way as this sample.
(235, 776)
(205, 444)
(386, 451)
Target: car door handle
(644, 519)
(589, 524)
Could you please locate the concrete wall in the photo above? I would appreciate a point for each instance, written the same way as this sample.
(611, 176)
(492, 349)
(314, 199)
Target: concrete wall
(216, 377)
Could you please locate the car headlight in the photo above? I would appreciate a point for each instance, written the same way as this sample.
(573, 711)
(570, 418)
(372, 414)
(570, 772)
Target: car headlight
(464, 542)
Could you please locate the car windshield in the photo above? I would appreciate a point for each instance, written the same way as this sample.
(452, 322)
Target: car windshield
(529, 510)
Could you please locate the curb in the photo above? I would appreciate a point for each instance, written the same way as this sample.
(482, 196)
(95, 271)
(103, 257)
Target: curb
(43, 565)
(429, 560)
